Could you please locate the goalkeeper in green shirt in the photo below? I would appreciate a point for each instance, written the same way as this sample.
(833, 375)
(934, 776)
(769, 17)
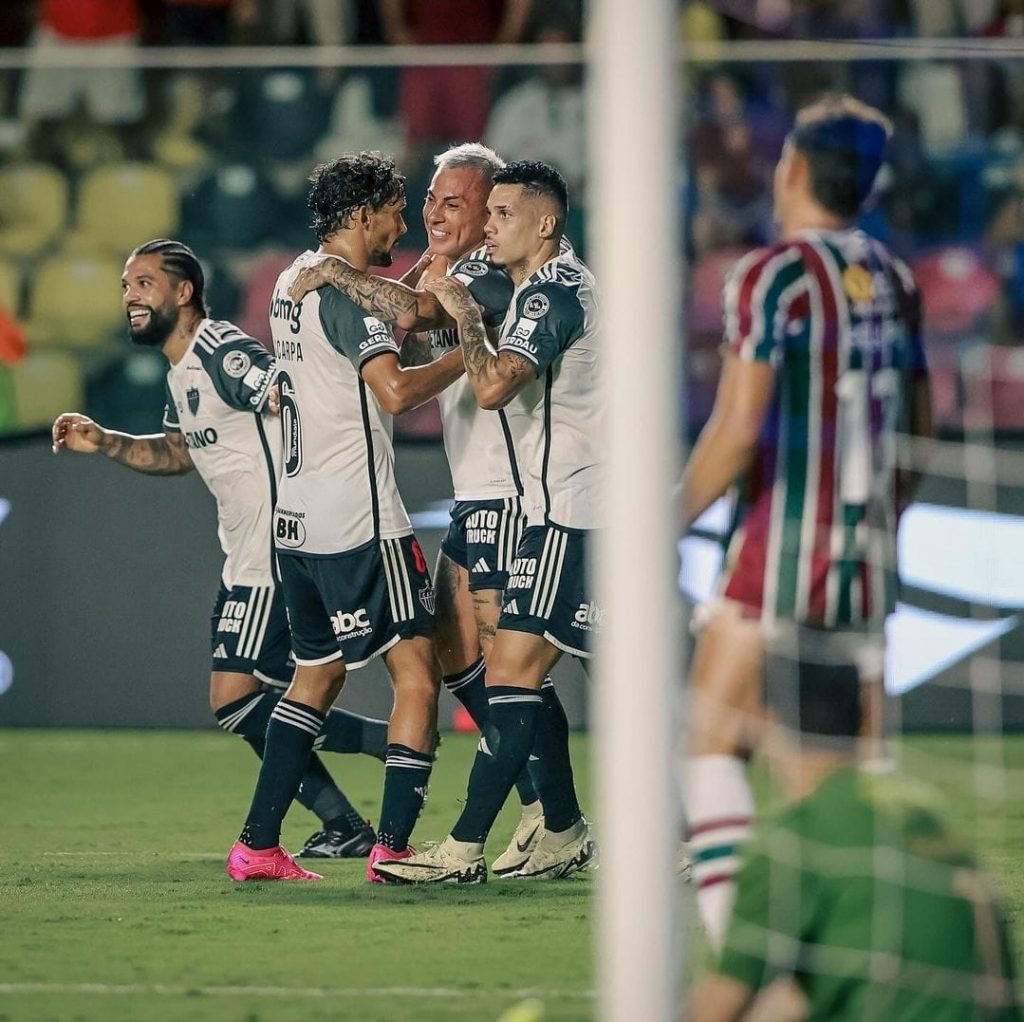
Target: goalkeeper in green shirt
(858, 892)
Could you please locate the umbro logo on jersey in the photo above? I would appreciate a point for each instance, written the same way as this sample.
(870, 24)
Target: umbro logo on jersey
(192, 395)
(482, 566)
(220, 653)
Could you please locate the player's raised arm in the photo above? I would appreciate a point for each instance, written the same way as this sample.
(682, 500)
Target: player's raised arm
(401, 389)
(161, 454)
(388, 300)
(496, 378)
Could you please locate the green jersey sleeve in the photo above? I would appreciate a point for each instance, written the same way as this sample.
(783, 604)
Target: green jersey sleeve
(548, 320)
(489, 285)
(351, 331)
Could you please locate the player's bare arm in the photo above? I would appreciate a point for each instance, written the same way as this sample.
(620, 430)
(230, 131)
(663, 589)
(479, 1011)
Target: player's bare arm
(727, 444)
(388, 300)
(719, 998)
(160, 454)
(401, 390)
(495, 378)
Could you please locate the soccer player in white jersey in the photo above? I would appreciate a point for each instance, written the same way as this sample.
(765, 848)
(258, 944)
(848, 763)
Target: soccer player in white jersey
(544, 375)
(355, 582)
(488, 517)
(214, 422)
(823, 371)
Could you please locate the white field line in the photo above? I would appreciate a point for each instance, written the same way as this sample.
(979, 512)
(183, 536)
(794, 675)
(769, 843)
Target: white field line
(162, 990)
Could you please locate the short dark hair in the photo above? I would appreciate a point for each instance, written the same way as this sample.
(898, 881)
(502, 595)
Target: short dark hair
(180, 262)
(844, 141)
(343, 185)
(538, 178)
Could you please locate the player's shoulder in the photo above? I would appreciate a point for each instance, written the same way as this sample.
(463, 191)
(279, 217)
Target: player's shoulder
(789, 256)
(900, 270)
(557, 288)
(220, 342)
(478, 264)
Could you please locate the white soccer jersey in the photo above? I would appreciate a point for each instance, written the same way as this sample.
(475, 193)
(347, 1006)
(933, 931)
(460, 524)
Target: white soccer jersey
(554, 420)
(215, 398)
(477, 442)
(337, 491)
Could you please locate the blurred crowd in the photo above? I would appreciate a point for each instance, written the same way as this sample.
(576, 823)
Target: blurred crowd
(94, 160)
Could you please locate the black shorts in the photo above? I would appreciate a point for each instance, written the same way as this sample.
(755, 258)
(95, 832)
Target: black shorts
(483, 538)
(249, 633)
(356, 605)
(547, 593)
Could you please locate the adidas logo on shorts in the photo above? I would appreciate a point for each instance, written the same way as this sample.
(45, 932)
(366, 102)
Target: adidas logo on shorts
(512, 607)
(481, 566)
(220, 653)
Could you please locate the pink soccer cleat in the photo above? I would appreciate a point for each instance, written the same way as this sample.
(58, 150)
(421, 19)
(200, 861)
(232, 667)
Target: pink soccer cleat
(381, 853)
(244, 863)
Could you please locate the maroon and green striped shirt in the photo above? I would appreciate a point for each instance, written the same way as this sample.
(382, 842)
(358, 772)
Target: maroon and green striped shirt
(838, 317)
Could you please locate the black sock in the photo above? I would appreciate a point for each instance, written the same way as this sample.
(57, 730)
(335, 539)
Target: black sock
(342, 731)
(290, 735)
(406, 774)
(469, 688)
(501, 756)
(551, 768)
(248, 717)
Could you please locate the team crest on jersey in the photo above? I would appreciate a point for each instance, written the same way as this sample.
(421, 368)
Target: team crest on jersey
(192, 395)
(857, 284)
(536, 306)
(236, 364)
(427, 598)
(474, 269)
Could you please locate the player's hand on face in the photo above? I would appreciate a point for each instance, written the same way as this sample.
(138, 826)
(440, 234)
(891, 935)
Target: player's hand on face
(308, 280)
(76, 433)
(453, 295)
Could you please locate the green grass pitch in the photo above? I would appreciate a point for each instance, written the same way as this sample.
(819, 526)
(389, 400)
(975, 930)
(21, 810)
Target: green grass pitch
(114, 904)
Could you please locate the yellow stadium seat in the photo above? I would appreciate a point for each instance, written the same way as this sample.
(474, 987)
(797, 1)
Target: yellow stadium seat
(122, 205)
(33, 208)
(45, 383)
(10, 288)
(76, 302)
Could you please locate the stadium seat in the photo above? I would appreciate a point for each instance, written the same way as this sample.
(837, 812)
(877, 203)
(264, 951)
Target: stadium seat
(33, 208)
(121, 206)
(258, 291)
(957, 290)
(284, 110)
(233, 208)
(129, 395)
(993, 381)
(76, 302)
(44, 384)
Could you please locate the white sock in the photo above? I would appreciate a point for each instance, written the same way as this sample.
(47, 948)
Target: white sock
(719, 814)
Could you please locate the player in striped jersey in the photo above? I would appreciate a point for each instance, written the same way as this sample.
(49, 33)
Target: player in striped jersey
(823, 372)
(487, 518)
(217, 384)
(544, 373)
(355, 581)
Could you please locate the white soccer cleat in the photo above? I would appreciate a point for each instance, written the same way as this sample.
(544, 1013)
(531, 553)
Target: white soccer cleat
(524, 841)
(450, 862)
(560, 855)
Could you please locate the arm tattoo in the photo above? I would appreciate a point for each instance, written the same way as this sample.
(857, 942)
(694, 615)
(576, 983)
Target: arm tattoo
(157, 455)
(415, 351)
(482, 365)
(386, 299)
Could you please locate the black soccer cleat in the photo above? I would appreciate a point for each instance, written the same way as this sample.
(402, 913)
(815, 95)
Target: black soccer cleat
(338, 844)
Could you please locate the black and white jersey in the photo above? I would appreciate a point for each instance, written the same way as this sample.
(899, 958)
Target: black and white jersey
(215, 399)
(337, 491)
(477, 442)
(551, 322)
